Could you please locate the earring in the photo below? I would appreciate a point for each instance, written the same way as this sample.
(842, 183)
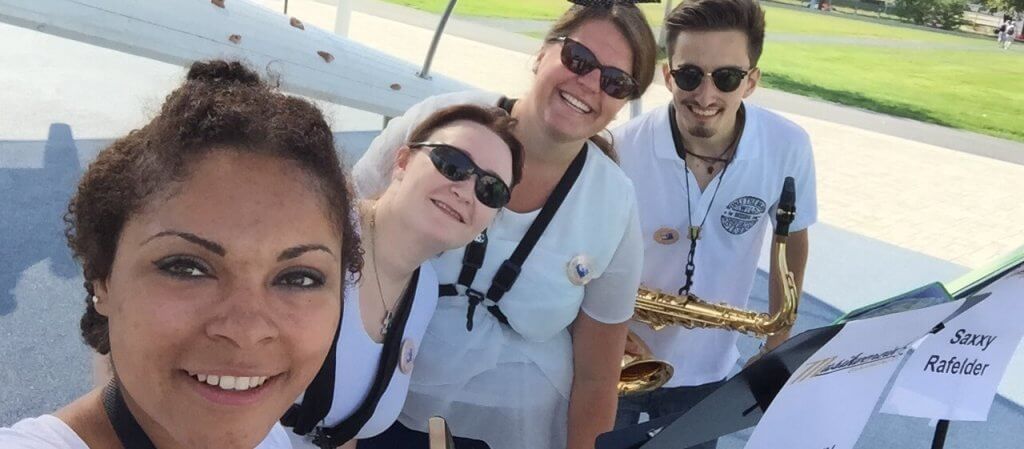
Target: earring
(95, 300)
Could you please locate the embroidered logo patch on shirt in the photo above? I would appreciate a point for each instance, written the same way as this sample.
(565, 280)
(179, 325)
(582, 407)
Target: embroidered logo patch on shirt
(742, 214)
(666, 236)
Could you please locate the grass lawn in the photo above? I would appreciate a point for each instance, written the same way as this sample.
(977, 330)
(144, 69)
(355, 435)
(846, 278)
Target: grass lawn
(786, 20)
(972, 90)
(950, 80)
(518, 9)
(782, 20)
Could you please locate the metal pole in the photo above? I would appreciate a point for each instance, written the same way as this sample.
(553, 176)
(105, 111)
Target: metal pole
(425, 73)
(939, 442)
(662, 35)
(636, 106)
(286, 6)
(342, 17)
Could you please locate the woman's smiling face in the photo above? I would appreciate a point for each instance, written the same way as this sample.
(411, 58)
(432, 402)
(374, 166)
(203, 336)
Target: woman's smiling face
(443, 211)
(223, 300)
(574, 106)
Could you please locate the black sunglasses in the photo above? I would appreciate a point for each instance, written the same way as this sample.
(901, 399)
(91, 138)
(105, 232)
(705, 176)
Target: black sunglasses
(581, 61)
(727, 79)
(456, 165)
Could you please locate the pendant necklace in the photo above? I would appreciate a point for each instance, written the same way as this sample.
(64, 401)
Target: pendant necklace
(710, 160)
(385, 323)
(693, 232)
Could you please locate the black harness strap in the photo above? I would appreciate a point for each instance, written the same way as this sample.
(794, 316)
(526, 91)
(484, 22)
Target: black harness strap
(319, 395)
(331, 437)
(509, 271)
(506, 103)
(127, 428)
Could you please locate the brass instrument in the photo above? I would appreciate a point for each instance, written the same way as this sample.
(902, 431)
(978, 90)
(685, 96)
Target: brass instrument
(641, 372)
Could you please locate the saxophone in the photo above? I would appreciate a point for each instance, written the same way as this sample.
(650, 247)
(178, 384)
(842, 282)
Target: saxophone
(641, 372)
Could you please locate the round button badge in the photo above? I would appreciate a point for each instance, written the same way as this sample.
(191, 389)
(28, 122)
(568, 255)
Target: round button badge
(666, 236)
(579, 270)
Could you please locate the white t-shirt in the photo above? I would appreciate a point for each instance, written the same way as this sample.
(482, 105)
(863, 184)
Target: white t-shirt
(509, 386)
(49, 432)
(770, 149)
(358, 357)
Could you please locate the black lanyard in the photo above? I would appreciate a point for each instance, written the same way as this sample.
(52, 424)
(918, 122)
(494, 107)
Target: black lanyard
(693, 233)
(316, 402)
(126, 427)
(507, 274)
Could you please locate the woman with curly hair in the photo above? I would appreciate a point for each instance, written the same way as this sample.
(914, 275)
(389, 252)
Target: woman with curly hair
(220, 244)
(215, 243)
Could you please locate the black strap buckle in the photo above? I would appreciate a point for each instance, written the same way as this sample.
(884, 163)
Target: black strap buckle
(475, 298)
(473, 256)
(323, 440)
(506, 277)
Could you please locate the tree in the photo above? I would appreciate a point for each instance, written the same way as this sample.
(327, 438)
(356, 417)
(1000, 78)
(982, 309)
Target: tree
(949, 14)
(1005, 5)
(946, 14)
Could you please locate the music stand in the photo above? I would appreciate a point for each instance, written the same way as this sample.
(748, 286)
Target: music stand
(741, 401)
(736, 405)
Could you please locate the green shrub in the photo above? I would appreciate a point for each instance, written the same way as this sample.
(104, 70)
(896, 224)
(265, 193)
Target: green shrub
(949, 14)
(946, 14)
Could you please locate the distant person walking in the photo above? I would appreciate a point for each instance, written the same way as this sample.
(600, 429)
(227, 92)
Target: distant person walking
(1001, 40)
(1011, 33)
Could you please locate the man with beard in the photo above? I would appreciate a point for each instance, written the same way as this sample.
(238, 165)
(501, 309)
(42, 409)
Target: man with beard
(708, 170)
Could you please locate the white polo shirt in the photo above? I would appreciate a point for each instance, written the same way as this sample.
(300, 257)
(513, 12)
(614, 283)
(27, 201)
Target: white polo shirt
(49, 432)
(770, 149)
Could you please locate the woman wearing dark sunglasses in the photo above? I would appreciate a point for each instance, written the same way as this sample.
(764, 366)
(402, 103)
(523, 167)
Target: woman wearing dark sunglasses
(525, 346)
(446, 186)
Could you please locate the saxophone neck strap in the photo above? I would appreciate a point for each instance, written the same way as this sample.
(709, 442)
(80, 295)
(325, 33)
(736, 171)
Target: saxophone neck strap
(128, 430)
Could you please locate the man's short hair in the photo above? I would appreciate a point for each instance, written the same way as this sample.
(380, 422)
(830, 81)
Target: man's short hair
(745, 16)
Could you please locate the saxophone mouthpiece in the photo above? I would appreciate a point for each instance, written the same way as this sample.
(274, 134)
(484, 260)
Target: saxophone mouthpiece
(787, 207)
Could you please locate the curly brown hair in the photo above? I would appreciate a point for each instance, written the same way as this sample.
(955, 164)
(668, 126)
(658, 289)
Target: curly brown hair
(220, 105)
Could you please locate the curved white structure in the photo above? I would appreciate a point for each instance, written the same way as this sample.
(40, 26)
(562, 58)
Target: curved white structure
(307, 61)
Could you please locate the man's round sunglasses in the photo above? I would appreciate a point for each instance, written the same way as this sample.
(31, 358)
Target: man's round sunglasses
(456, 165)
(580, 60)
(727, 79)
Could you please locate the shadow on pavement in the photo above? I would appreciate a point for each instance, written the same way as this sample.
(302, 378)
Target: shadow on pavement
(33, 203)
